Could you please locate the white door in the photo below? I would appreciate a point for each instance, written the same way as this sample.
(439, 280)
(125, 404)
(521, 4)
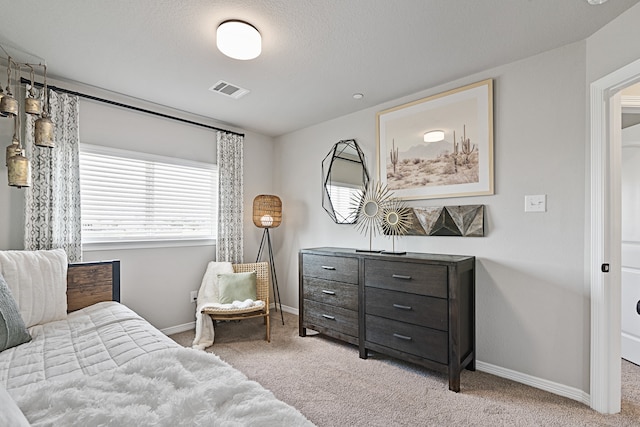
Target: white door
(630, 343)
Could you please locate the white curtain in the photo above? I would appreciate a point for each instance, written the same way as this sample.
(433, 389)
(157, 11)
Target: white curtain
(229, 245)
(52, 212)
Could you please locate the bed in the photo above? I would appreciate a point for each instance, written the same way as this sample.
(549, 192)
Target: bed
(102, 364)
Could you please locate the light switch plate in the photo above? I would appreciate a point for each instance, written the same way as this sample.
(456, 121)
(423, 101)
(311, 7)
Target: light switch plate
(537, 203)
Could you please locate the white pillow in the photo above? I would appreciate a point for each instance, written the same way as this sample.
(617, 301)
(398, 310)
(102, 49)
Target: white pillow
(38, 283)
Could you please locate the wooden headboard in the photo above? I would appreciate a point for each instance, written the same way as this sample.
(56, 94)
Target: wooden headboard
(92, 282)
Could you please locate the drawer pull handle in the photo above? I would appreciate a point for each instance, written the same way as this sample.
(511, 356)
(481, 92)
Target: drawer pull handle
(326, 316)
(328, 267)
(402, 307)
(403, 337)
(400, 276)
(324, 291)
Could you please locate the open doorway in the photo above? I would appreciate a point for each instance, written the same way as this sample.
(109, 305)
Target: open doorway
(630, 224)
(605, 236)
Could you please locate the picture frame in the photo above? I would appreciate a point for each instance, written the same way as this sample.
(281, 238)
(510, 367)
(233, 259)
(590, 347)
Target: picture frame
(415, 163)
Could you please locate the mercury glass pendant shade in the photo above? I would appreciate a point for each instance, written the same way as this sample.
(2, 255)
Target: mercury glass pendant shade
(44, 132)
(19, 169)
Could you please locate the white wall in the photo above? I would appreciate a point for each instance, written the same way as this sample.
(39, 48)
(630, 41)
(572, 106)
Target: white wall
(155, 282)
(614, 46)
(532, 307)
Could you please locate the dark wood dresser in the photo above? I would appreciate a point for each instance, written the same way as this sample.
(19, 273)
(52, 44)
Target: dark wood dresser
(416, 307)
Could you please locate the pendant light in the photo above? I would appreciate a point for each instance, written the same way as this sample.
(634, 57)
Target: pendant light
(18, 166)
(2, 96)
(31, 103)
(8, 104)
(44, 126)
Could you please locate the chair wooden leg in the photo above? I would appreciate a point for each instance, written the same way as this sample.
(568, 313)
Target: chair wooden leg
(268, 322)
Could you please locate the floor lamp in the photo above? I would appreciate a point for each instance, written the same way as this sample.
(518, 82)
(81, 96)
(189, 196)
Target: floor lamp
(267, 213)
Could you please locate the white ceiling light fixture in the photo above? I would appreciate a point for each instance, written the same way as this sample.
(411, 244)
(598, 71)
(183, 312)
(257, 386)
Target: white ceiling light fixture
(434, 136)
(595, 2)
(239, 40)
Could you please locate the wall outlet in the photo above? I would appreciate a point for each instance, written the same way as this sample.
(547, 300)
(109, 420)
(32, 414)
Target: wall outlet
(194, 296)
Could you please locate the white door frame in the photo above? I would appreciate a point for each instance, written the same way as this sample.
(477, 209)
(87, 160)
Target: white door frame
(605, 384)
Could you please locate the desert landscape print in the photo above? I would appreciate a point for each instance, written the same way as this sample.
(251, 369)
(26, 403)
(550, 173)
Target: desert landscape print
(439, 146)
(446, 162)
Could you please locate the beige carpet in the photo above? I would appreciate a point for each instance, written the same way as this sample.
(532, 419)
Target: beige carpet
(327, 381)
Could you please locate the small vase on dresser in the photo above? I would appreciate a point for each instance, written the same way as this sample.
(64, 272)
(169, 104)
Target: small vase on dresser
(416, 307)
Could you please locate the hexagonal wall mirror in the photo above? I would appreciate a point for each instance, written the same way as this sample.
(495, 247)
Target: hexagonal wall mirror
(344, 174)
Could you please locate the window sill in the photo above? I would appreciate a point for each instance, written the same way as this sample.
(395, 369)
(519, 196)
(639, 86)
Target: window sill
(145, 244)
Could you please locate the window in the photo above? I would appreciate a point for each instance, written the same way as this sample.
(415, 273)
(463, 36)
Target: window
(344, 200)
(136, 197)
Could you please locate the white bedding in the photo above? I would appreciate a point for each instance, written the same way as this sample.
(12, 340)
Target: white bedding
(105, 365)
(173, 387)
(89, 341)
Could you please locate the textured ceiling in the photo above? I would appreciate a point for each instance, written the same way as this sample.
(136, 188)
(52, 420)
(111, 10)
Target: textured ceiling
(316, 53)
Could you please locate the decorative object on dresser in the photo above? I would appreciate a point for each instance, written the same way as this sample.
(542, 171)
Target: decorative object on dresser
(416, 307)
(267, 213)
(395, 222)
(373, 198)
(344, 172)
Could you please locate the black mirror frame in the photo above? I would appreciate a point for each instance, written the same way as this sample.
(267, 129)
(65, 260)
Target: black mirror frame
(335, 152)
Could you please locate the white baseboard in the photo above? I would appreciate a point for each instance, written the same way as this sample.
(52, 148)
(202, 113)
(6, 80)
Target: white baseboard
(192, 325)
(542, 384)
(179, 328)
(285, 308)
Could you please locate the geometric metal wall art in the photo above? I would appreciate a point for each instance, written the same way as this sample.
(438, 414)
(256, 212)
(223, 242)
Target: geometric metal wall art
(466, 221)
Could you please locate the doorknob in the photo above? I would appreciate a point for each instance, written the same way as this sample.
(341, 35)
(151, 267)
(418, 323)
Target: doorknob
(638, 307)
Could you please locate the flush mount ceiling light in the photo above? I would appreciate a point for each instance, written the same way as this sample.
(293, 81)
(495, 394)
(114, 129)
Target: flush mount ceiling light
(594, 2)
(239, 40)
(434, 136)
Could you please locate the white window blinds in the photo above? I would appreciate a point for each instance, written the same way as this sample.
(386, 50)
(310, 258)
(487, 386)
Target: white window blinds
(128, 196)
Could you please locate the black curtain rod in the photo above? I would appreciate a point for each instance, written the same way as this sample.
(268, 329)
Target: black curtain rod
(130, 107)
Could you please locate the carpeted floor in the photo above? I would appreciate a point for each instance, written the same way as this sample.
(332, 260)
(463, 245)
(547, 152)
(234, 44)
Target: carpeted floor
(327, 381)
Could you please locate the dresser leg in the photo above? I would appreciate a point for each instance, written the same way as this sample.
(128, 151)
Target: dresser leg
(454, 382)
(363, 353)
(302, 332)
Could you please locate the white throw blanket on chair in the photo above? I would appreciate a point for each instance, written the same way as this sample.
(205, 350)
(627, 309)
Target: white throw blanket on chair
(207, 296)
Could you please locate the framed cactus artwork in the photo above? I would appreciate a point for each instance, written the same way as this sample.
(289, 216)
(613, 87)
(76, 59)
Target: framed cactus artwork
(440, 146)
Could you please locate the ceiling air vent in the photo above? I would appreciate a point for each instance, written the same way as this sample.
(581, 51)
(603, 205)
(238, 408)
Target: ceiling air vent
(228, 89)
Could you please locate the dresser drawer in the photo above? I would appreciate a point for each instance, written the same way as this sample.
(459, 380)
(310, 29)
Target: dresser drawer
(339, 294)
(416, 340)
(409, 277)
(336, 318)
(416, 309)
(340, 269)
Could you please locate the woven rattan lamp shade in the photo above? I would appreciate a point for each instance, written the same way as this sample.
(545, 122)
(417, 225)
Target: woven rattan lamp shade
(267, 211)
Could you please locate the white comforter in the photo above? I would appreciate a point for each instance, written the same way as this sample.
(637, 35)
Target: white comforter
(89, 341)
(105, 365)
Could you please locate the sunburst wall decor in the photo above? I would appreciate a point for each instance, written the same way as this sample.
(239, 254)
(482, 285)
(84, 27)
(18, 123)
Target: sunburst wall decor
(371, 202)
(396, 221)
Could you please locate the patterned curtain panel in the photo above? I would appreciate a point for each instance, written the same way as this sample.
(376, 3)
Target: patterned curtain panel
(229, 246)
(52, 213)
